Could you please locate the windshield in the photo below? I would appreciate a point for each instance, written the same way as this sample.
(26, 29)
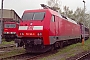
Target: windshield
(34, 16)
(10, 25)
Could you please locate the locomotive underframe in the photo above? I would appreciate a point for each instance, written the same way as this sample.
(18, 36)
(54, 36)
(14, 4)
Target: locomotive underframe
(9, 37)
(33, 45)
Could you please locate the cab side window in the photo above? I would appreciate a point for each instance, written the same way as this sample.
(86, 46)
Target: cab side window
(53, 18)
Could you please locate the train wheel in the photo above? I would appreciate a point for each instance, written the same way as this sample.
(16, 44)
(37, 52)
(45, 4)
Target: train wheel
(57, 45)
(61, 44)
(76, 41)
(52, 48)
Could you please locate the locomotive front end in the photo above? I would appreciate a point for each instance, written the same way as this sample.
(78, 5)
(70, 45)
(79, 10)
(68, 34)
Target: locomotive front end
(10, 31)
(32, 31)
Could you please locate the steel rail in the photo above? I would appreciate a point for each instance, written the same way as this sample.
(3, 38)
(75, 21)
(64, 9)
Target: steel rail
(83, 56)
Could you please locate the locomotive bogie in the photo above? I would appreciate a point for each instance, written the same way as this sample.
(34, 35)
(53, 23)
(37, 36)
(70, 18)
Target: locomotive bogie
(33, 44)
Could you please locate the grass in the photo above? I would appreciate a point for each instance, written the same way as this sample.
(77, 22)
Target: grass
(62, 54)
(14, 52)
(69, 51)
(6, 43)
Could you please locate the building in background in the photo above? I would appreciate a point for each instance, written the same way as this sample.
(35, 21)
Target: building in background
(9, 15)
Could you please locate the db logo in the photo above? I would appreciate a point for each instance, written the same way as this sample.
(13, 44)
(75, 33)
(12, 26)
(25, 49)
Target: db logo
(30, 28)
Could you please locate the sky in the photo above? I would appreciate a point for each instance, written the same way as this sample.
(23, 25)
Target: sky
(21, 5)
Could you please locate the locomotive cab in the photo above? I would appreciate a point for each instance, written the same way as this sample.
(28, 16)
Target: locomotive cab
(34, 28)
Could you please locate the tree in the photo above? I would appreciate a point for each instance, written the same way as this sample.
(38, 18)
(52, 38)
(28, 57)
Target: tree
(87, 20)
(67, 12)
(55, 4)
(78, 15)
(82, 17)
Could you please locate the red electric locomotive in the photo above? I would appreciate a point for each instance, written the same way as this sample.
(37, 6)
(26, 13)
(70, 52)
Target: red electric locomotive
(44, 29)
(10, 30)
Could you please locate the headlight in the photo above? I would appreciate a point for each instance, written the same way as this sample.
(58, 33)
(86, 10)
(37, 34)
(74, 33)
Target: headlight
(21, 33)
(7, 32)
(31, 34)
(39, 34)
(13, 32)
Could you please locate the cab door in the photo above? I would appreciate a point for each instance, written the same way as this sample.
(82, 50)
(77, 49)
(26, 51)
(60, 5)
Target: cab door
(52, 30)
(52, 26)
(56, 25)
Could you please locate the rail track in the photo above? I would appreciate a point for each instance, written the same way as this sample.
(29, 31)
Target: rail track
(9, 46)
(5, 48)
(15, 56)
(24, 56)
(84, 56)
(81, 56)
(28, 56)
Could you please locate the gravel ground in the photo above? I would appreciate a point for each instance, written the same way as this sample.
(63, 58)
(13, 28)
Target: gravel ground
(52, 56)
(72, 54)
(65, 53)
(10, 52)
